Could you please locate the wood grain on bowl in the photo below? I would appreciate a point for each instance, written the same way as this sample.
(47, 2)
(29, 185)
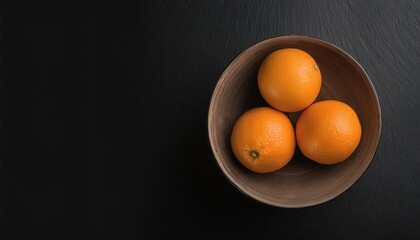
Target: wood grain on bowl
(302, 182)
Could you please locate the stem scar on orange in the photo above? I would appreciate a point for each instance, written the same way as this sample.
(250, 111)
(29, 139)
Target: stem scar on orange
(263, 139)
(289, 79)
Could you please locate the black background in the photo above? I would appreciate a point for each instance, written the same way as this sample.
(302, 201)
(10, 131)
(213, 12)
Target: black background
(104, 119)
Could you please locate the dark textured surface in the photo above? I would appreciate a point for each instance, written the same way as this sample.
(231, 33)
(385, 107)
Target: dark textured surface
(104, 119)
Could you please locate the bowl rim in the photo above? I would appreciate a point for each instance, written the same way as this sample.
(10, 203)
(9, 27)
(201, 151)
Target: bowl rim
(222, 78)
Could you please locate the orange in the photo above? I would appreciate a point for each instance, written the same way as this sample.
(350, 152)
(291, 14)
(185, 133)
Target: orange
(328, 132)
(263, 139)
(289, 79)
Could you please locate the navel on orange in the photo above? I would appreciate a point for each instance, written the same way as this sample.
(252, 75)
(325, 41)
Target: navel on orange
(263, 139)
(328, 132)
(289, 79)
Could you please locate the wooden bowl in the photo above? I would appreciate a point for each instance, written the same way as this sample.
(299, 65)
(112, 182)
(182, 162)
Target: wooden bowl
(301, 182)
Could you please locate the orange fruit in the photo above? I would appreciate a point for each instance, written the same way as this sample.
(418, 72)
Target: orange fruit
(289, 79)
(328, 132)
(263, 139)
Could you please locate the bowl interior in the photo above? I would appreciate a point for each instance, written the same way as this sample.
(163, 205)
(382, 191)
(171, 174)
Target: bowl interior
(301, 182)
